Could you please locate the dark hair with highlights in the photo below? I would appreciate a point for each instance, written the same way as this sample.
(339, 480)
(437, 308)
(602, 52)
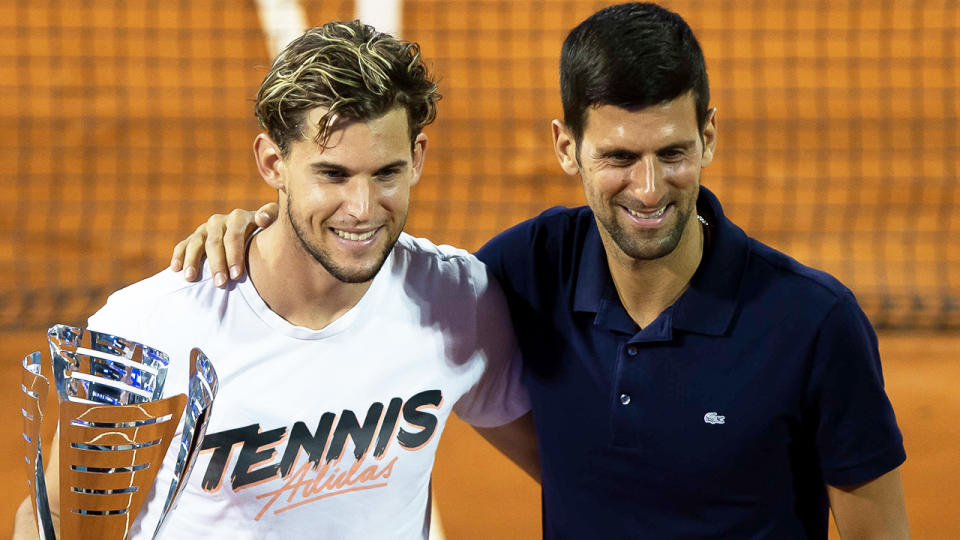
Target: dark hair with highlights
(354, 71)
(630, 55)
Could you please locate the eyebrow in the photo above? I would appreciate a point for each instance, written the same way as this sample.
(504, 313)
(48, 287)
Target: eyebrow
(329, 165)
(681, 145)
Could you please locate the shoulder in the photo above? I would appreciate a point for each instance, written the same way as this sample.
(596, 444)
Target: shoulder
(438, 266)
(552, 228)
(561, 218)
(163, 286)
(811, 291)
(422, 249)
(451, 290)
(165, 291)
(165, 282)
(785, 266)
(540, 247)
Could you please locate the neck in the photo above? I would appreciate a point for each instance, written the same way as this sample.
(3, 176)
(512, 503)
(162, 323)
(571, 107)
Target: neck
(648, 287)
(293, 284)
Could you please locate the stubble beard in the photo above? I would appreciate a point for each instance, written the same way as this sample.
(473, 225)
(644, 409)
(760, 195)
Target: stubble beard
(339, 272)
(645, 249)
(653, 248)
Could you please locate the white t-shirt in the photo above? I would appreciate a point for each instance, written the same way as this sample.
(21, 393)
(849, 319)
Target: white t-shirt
(329, 433)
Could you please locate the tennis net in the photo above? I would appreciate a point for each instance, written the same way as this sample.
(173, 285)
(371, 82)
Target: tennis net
(132, 121)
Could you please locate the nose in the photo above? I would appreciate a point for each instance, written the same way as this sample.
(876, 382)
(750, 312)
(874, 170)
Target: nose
(358, 198)
(646, 179)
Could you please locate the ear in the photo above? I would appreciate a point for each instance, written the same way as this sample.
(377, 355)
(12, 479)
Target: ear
(565, 146)
(269, 161)
(709, 137)
(419, 155)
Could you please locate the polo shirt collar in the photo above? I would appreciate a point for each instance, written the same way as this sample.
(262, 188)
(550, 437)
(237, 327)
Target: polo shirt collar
(710, 303)
(594, 291)
(706, 307)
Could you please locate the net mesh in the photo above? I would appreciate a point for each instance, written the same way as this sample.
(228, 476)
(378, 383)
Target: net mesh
(132, 121)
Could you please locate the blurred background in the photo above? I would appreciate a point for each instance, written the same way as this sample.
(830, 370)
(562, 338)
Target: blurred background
(125, 124)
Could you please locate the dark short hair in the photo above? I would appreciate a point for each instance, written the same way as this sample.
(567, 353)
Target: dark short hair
(354, 71)
(630, 55)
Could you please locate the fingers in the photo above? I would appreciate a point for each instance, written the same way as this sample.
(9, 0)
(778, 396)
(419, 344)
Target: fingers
(239, 226)
(190, 252)
(176, 261)
(267, 214)
(214, 230)
(186, 255)
(222, 239)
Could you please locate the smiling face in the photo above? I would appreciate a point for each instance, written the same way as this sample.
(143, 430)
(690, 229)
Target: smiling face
(640, 170)
(345, 204)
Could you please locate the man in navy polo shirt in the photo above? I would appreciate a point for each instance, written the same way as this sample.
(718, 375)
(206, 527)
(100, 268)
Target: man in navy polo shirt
(686, 380)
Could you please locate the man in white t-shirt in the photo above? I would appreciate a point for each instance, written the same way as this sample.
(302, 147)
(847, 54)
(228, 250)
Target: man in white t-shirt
(343, 351)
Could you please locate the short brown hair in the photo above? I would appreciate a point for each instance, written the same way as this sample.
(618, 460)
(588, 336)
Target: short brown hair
(351, 69)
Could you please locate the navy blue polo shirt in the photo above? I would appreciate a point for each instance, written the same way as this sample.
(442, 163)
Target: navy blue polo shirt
(723, 418)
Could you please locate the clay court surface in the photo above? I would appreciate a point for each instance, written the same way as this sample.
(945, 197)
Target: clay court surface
(129, 122)
(483, 496)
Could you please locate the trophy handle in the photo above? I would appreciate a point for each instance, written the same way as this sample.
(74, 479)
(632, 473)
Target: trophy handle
(203, 389)
(35, 387)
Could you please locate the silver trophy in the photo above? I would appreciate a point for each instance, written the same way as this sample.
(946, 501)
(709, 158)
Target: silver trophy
(114, 430)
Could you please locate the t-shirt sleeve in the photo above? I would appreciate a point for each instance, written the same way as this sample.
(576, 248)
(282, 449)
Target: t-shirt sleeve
(499, 397)
(856, 433)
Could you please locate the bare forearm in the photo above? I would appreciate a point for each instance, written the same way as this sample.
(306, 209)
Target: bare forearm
(518, 441)
(874, 510)
(25, 524)
(436, 525)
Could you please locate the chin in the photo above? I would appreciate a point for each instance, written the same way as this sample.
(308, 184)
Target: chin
(360, 272)
(651, 249)
(357, 276)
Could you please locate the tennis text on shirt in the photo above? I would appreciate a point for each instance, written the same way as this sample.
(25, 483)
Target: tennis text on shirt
(322, 474)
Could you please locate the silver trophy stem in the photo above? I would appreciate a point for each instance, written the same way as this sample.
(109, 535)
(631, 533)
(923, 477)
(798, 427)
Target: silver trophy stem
(44, 517)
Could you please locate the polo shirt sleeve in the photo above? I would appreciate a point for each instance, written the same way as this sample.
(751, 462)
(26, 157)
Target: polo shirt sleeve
(855, 431)
(499, 397)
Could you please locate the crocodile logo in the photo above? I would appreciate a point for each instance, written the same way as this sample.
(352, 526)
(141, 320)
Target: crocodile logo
(713, 418)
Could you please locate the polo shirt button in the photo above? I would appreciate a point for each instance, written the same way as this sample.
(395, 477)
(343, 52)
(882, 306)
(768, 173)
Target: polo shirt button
(632, 350)
(624, 399)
